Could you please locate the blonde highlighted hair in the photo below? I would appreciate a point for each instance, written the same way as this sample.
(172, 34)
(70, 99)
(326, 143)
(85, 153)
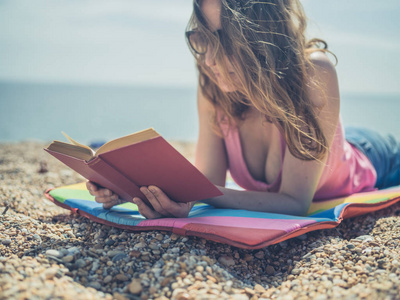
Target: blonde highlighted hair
(265, 43)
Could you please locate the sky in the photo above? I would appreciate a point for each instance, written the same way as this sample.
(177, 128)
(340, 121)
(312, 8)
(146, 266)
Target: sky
(132, 42)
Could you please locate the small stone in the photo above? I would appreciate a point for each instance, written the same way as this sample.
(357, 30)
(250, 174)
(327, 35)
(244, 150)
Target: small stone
(74, 250)
(68, 258)
(42, 167)
(6, 242)
(122, 277)
(365, 238)
(248, 257)
(249, 291)
(271, 271)
(113, 253)
(135, 287)
(350, 246)
(259, 289)
(153, 246)
(140, 245)
(95, 266)
(296, 271)
(50, 273)
(119, 256)
(135, 253)
(226, 260)
(54, 253)
(107, 279)
(181, 293)
(283, 244)
(109, 242)
(200, 269)
(118, 296)
(198, 276)
(80, 263)
(174, 237)
(259, 255)
(95, 284)
(37, 237)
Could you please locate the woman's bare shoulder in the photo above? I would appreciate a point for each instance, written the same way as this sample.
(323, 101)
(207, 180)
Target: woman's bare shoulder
(321, 64)
(323, 87)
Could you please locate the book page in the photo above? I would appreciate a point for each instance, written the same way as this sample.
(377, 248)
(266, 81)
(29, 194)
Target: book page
(134, 138)
(76, 151)
(73, 142)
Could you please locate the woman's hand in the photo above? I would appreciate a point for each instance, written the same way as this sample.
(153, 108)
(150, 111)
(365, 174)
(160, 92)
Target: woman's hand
(102, 195)
(162, 205)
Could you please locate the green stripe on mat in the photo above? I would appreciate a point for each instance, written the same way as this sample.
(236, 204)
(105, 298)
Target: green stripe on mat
(61, 194)
(378, 200)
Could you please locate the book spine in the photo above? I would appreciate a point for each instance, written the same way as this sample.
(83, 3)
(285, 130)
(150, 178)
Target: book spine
(114, 180)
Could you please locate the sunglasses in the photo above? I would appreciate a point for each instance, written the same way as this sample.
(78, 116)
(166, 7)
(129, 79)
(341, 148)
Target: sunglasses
(198, 41)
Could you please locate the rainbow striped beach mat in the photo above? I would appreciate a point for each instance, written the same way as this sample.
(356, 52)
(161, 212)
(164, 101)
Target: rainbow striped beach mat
(240, 228)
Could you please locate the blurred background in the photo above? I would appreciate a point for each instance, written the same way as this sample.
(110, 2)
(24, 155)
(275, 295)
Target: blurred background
(99, 69)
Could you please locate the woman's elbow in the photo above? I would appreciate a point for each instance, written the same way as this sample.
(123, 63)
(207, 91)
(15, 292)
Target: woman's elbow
(299, 206)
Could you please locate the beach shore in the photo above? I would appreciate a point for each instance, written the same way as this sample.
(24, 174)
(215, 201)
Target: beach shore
(47, 253)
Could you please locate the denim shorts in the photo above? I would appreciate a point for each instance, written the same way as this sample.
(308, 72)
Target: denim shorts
(382, 151)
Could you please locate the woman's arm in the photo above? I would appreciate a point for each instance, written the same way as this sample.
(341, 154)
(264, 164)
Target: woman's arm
(258, 201)
(211, 158)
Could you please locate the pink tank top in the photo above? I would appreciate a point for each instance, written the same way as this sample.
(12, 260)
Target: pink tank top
(347, 170)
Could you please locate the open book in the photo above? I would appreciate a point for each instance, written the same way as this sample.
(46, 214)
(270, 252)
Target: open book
(144, 158)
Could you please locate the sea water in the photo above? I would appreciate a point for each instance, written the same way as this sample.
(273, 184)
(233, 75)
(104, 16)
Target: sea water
(31, 111)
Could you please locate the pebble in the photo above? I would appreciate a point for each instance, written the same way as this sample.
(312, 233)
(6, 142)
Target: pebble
(54, 253)
(365, 238)
(121, 277)
(6, 242)
(80, 263)
(50, 273)
(226, 260)
(135, 287)
(95, 284)
(113, 253)
(119, 256)
(68, 258)
(107, 279)
(270, 270)
(296, 271)
(259, 255)
(140, 245)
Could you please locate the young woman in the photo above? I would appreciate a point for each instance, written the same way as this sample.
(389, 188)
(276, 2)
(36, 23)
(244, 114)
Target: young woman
(268, 104)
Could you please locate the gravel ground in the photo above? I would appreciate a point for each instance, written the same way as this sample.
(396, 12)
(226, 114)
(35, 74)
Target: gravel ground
(46, 253)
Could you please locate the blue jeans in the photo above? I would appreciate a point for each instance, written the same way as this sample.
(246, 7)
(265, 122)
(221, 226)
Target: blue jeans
(383, 152)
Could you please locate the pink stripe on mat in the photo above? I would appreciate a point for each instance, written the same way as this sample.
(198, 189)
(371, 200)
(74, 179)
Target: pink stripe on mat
(287, 225)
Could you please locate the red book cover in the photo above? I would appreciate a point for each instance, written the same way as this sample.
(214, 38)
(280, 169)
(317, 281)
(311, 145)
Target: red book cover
(150, 162)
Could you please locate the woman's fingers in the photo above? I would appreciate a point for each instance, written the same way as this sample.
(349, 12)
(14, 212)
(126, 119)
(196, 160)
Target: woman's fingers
(96, 191)
(164, 205)
(91, 186)
(155, 200)
(105, 196)
(145, 210)
(172, 208)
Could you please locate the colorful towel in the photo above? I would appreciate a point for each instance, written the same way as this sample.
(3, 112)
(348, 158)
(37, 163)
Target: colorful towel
(240, 228)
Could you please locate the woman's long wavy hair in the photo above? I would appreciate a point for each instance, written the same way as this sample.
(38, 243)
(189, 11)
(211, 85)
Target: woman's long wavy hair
(265, 43)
